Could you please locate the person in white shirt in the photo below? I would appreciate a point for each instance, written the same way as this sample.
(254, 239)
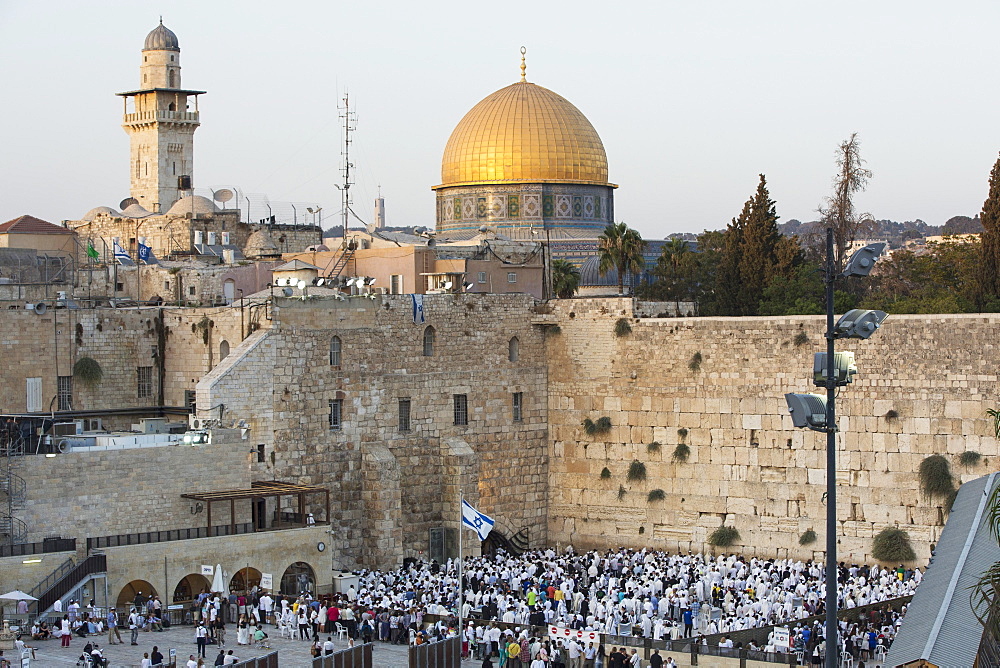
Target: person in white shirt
(191, 663)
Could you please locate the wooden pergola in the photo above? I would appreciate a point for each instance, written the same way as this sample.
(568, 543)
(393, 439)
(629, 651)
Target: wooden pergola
(261, 490)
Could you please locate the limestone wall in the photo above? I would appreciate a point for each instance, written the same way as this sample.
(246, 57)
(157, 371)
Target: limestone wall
(389, 487)
(87, 494)
(748, 467)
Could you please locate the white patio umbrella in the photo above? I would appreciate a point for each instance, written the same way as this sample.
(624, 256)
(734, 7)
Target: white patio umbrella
(219, 581)
(18, 595)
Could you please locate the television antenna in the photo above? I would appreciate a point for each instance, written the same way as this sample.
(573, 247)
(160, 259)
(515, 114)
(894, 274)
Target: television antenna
(350, 119)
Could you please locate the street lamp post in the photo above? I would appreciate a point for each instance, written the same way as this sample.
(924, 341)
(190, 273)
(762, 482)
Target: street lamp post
(819, 413)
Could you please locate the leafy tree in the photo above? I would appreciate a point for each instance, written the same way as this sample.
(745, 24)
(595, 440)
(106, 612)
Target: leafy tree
(675, 272)
(940, 279)
(839, 212)
(620, 248)
(986, 591)
(988, 290)
(565, 278)
(962, 225)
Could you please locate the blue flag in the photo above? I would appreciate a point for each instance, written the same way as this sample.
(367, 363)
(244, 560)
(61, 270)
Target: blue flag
(477, 521)
(146, 254)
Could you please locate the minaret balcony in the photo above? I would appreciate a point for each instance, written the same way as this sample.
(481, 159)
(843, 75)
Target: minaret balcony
(144, 117)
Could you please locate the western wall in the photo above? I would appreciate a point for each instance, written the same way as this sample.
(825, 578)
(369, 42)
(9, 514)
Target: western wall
(717, 385)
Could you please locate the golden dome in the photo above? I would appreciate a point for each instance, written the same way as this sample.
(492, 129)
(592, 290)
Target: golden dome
(524, 133)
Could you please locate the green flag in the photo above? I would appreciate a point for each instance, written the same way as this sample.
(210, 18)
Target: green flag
(91, 251)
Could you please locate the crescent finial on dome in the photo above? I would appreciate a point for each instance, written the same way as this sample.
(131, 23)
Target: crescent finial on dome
(523, 66)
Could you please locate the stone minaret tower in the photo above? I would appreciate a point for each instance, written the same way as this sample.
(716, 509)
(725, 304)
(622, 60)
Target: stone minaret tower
(160, 124)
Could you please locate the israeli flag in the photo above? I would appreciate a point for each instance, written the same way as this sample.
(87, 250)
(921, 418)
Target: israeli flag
(418, 308)
(475, 520)
(121, 255)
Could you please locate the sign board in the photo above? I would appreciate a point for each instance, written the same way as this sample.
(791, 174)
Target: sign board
(207, 571)
(565, 634)
(266, 581)
(782, 637)
(173, 652)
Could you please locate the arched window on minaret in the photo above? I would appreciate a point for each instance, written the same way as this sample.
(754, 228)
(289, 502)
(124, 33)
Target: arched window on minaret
(170, 79)
(171, 107)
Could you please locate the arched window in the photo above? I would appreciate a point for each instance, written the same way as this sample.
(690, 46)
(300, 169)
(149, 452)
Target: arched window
(513, 349)
(335, 347)
(429, 341)
(223, 350)
(170, 79)
(171, 107)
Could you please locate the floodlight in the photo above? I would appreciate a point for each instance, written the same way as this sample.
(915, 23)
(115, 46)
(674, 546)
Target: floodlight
(350, 281)
(858, 324)
(318, 281)
(468, 286)
(861, 262)
(447, 285)
(302, 285)
(370, 281)
(843, 368)
(288, 292)
(808, 410)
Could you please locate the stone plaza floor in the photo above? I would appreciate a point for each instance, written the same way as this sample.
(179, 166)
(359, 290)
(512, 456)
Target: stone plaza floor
(291, 653)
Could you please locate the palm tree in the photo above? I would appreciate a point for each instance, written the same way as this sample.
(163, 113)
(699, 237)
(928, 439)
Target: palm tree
(673, 253)
(986, 591)
(620, 248)
(565, 279)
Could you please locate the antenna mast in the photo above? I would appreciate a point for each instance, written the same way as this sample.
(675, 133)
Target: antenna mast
(350, 119)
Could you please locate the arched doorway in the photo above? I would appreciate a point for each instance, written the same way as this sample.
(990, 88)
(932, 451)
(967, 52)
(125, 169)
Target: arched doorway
(244, 580)
(189, 587)
(298, 577)
(133, 588)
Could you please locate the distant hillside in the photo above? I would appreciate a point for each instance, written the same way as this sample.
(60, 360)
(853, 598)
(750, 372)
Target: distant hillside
(895, 232)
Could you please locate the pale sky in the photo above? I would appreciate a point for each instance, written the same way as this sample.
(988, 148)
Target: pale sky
(691, 99)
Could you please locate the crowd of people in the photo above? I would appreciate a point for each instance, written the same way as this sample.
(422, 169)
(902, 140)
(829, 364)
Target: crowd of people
(508, 602)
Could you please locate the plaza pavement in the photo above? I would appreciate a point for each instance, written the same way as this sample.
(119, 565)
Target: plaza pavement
(291, 653)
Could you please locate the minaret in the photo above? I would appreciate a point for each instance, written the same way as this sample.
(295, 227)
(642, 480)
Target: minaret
(160, 125)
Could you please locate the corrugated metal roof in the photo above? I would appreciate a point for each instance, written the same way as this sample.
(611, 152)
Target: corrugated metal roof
(940, 626)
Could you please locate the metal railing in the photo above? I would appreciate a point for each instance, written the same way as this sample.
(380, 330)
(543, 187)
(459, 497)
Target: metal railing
(359, 656)
(444, 654)
(45, 547)
(123, 540)
(269, 660)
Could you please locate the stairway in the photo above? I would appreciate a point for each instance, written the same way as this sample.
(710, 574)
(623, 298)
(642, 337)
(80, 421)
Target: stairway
(66, 578)
(13, 489)
(336, 267)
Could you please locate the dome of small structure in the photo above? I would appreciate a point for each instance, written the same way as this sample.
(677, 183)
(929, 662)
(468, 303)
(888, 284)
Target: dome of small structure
(195, 204)
(98, 210)
(136, 211)
(161, 38)
(590, 273)
(260, 244)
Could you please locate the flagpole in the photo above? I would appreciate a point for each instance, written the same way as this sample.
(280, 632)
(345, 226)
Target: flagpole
(461, 595)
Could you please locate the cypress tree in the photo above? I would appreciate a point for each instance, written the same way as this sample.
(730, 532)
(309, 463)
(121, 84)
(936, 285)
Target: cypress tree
(989, 266)
(728, 294)
(758, 260)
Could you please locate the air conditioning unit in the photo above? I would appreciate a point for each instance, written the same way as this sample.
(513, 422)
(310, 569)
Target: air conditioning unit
(195, 422)
(93, 424)
(68, 428)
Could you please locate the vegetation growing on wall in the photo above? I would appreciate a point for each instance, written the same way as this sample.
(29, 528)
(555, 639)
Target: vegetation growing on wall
(605, 473)
(808, 537)
(88, 371)
(601, 426)
(723, 536)
(656, 495)
(935, 476)
(681, 452)
(622, 327)
(636, 471)
(892, 545)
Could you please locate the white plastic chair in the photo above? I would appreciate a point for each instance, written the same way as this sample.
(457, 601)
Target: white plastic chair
(846, 660)
(285, 630)
(341, 631)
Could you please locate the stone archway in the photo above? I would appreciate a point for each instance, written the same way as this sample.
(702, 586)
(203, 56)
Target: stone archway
(244, 580)
(128, 593)
(297, 578)
(189, 587)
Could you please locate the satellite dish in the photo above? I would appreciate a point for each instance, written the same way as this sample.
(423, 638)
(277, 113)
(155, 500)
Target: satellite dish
(223, 195)
(126, 203)
(287, 292)
(40, 308)
(302, 285)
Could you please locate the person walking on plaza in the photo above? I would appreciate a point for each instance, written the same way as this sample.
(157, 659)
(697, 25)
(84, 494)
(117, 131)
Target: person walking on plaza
(113, 627)
(201, 637)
